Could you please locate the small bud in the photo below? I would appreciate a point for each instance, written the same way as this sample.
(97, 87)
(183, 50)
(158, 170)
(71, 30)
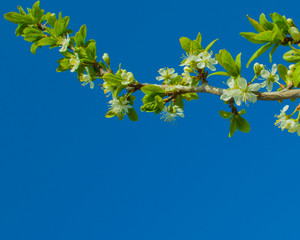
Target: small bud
(295, 34)
(187, 69)
(290, 73)
(258, 68)
(291, 22)
(291, 67)
(290, 85)
(106, 58)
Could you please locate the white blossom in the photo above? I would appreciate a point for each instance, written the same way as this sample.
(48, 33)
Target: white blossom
(205, 60)
(127, 78)
(87, 79)
(169, 114)
(119, 107)
(270, 77)
(167, 74)
(65, 43)
(107, 89)
(240, 91)
(190, 60)
(187, 77)
(75, 62)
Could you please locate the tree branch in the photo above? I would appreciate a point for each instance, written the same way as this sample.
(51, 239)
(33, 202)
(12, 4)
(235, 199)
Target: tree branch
(206, 88)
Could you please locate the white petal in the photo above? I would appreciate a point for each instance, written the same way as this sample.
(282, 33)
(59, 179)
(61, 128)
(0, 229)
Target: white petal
(201, 65)
(274, 69)
(242, 83)
(231, 82)
(286, 107)
(211, 67)
(270, 86)
(171, 71)
(265, 74)
(160, 78)
(254, 87)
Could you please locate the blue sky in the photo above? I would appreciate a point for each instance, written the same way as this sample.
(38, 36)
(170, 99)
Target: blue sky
(67, 172)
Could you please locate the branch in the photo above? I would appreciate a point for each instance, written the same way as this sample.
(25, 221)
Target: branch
(206, 88)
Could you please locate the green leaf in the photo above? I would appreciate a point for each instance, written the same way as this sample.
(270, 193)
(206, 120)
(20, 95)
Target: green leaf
(280, 22)
(32, 35)
(33, 48)
(296, 77)
(264, 37)
(243, 111)
(185, 43)
(132, 114)
(51, 19)
(233, 126)
(291, 56)
(199, 38)
(282, 70)
(91, 51)
(179, 101)
(210, 45)
(265, 23)
(20, 29)
(83, 32)
(110, 114)
(112, 79)
(259, 52)
(250, 37)
(273, 50)
(226, 61)
(18, 18)
(242, 124)
(238, 63)
(195, 47)
(36, 11)
(59, 28)
(149, 89)
(46, 41)
(219, 73)
(256, 25)
(225, 115)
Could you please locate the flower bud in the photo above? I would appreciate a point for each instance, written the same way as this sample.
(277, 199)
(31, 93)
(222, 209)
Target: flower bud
(106, 58)
(291, 67)
(187, 69)
(295, 34)
(290, 73)
(258, 68)
(291, 22)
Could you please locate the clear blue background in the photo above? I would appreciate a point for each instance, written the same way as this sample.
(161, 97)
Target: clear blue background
(67, 172)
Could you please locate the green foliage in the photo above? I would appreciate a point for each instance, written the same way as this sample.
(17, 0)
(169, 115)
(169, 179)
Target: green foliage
(226, 61)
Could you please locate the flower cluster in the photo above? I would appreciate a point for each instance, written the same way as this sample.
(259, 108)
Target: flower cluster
(169, 114)
(127, 77)
(200, 61)
(286, 122)
(240, 91)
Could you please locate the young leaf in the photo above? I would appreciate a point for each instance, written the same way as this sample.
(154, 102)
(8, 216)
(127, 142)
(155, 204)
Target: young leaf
(259, 52)
(242, 124)
(225, 115)
(18, 18)
(256, 25)
(149, 89)
(296, 77)
(238, 63)
(282, 70)
(210, 45)
(132, 114)
(112, 79)
(233, 126)
(265, 23)
(185, 43)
